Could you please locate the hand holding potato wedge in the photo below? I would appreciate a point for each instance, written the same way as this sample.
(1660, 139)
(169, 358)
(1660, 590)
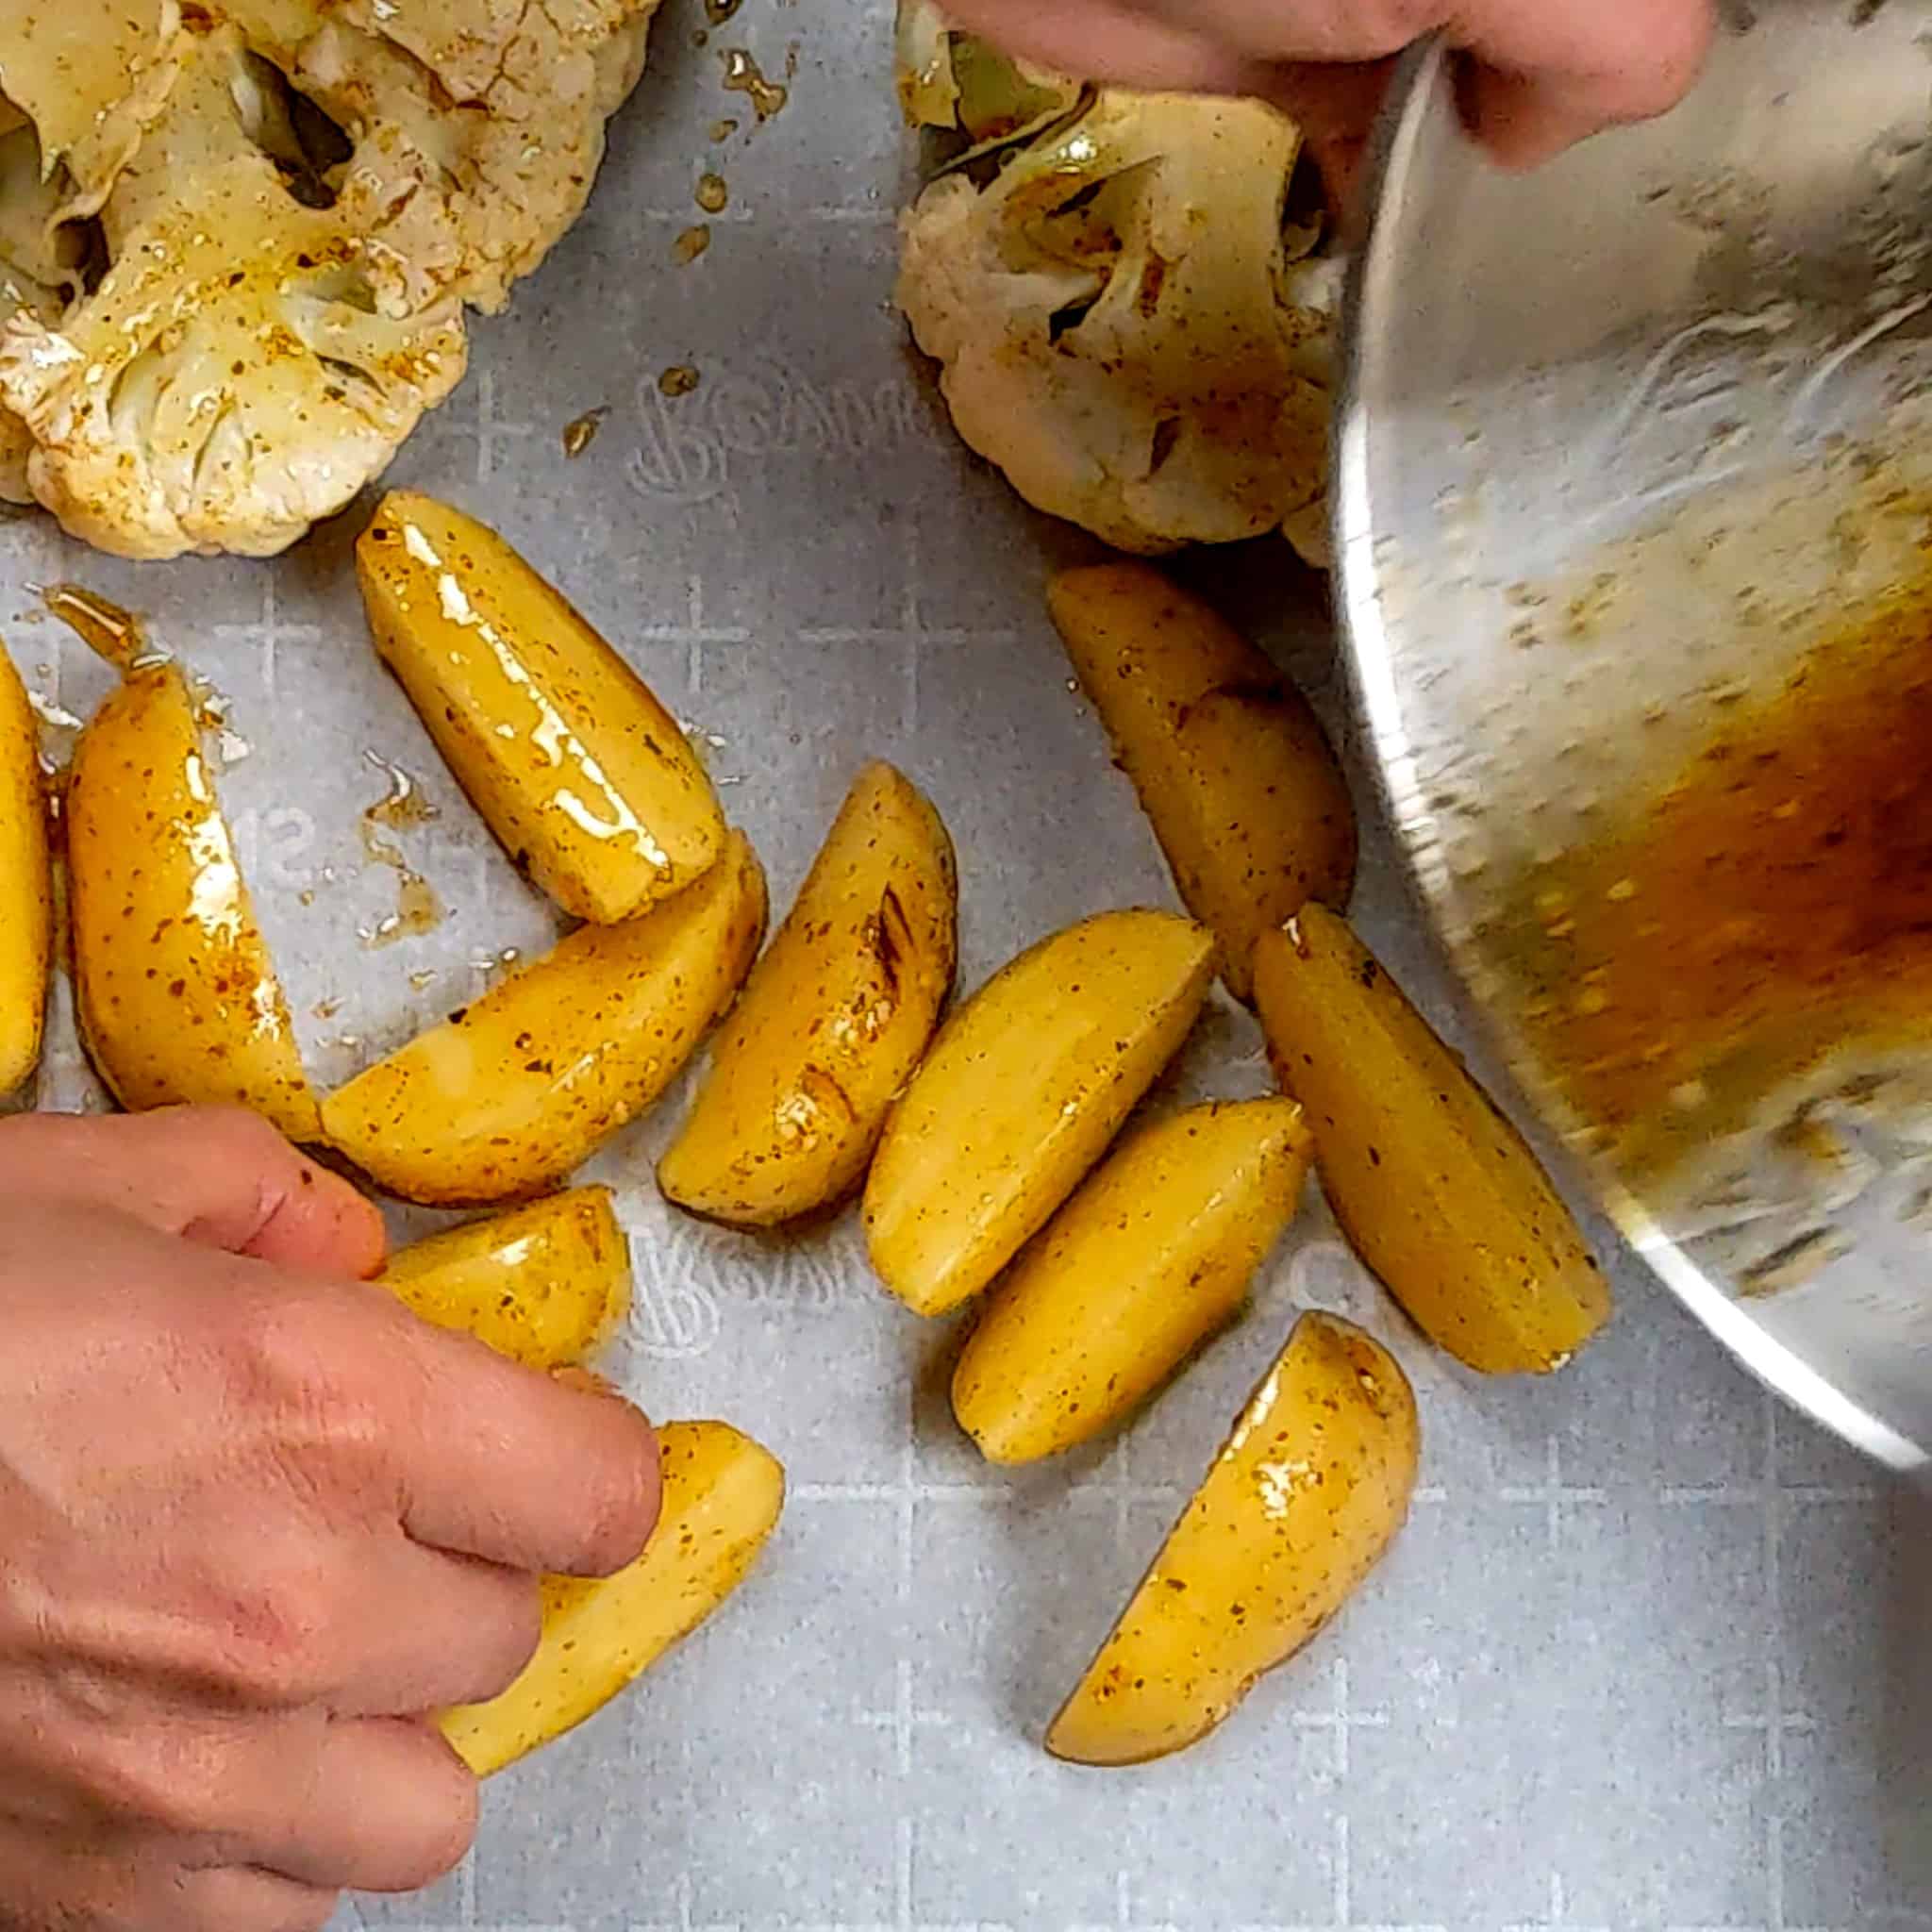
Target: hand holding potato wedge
(178, 998)
(1305, 1496)
(546, 1285)
(832, 1021)
(1151, 1257)
(26, 881)
(513, 1092)
(1232, 767)
(582, 774)
(1434, 1188)
(722, 1495)
(1023, 1090)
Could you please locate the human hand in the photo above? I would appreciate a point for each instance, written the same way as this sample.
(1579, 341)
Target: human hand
(256, 1521)
(1540, 74)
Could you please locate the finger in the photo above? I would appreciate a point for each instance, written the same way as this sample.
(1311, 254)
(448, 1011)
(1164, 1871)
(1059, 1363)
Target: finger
(1335, 109)
(238, 1899)
(495, 1461)
(1098, 40)
(434, 1629)
(377, 1805)
(216, 1175)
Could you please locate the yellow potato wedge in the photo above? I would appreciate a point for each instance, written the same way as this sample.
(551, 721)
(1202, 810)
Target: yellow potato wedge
(546, 1284)
(510, 1095)
(1306, 1493)
(178, 998)
(1148, 1259)
(582, 774)
(1023, 1090)
(1433, 1187)
(832, 1021)
(27, 884)
(722, 1497)
(1234, 770)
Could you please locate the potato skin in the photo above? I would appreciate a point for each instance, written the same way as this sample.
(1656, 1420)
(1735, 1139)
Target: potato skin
(722, 1497)
(1234, 770)
(1305, 1494)
(1022, 1092)
(832, 1022)
(26, 920)
(178, 998)
(510, 1095)
(1150, 1257)
(1435, 1190)
(585, 778)
(546, 1284)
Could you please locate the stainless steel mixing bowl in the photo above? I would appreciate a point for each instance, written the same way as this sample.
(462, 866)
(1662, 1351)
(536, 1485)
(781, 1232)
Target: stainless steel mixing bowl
(1608, 453)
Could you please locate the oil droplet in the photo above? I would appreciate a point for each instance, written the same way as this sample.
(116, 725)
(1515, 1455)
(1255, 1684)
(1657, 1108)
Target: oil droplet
(713, 194)
(581, 433)
(743, 76)
(104, 628)
(418, 908)
(723, 130)
(326, 1010)
(422, 980)
(402, 805)
(719, 11)
(58, 717)
(692, 243)
(679, 380)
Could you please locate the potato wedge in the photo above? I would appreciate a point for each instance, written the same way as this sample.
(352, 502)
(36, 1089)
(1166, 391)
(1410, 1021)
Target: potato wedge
(1023, 1090)
(546, 1284)
(1306, 1493)
(511, 1094)
(1149, 1258)
(832, 1021)
(722, 1497)
(27, 884)
(1433, 1187)
(1243, 789)
(176, 995)
(583, 776)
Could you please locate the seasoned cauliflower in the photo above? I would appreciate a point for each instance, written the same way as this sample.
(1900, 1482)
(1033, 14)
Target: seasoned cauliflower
(1123, 325)
(237, 239)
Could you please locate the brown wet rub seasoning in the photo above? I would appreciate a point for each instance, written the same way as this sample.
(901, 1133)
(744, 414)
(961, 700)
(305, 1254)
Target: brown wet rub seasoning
(1775, 902)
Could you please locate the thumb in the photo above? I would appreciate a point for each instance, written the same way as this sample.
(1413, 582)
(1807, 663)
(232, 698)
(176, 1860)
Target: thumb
(217, 1176)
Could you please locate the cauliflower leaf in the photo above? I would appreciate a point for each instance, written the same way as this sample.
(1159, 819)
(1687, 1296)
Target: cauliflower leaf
(1121, 322)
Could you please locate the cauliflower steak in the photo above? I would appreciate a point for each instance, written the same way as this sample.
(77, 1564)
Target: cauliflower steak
(1125, 321)
(237, 241)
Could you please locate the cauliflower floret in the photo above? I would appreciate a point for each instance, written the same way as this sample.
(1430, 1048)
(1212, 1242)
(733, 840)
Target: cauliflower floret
(91, 75)
(231, 380)
(1121, 326)
(296, 200)
(478, 124)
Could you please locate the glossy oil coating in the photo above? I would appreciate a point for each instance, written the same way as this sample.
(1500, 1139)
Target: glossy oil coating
(722, 1497)
(26, 884)
(833, 1020)
(1151, 1257)
(546, 1284)
(1023, 1090)
(581, 773)
(513, 1092)
(1304, 1497)
(178, 999)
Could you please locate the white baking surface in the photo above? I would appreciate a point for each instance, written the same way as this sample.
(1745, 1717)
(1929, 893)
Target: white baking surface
(1651, 1654)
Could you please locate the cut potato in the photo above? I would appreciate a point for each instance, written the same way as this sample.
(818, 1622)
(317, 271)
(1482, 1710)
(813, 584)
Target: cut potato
(178, 998)
(1305, 1494)
(1233, 768)
(1433, 1187)
(546, 1285)
(1149, 1258)
(511, 1094)
(833, 1020)
(1021, 1094)
(722, 1497)
(26, 886)
(581, 773)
